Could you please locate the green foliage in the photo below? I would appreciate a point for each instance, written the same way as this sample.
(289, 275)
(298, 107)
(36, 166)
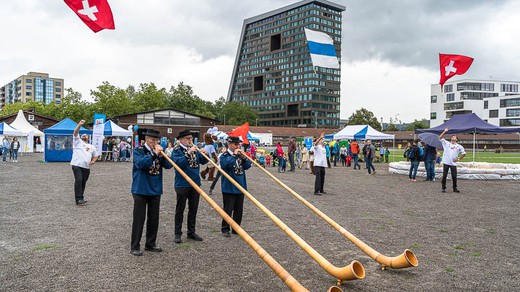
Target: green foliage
(235, 113)
(114, 101)
(392, 127)
(364, 117)
(46, 246)
(422, 124)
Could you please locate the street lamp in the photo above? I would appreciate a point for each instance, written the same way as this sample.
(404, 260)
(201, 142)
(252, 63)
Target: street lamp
(257, 122)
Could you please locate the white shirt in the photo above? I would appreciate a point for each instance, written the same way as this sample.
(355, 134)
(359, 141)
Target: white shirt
(320, 155)
(451, 152)
(82, 153)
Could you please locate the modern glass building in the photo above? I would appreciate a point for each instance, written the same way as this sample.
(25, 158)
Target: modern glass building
(273, 72)
(32, 87)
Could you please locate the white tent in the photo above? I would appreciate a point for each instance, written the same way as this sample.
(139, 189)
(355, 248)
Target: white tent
(361, 132)
(5, 129)
(28, 133)
(112, 129)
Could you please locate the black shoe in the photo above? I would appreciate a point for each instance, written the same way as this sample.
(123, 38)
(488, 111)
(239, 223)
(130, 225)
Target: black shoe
(137, 252)
(234, 232)
(443, 190)
(226, 234)
(195, 237)
(177, 239)
(81, 202)
(455, 190)
(154, 248)
(317, 194)
(323, 192)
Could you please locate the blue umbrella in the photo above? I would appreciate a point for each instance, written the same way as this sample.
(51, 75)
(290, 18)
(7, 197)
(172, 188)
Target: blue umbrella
(431, 139)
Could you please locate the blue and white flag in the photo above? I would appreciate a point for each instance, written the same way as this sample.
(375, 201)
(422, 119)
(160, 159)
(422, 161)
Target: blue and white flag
(321, 47)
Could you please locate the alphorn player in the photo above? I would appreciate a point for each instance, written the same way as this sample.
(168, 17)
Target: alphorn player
(234, 162)
(147, 188)
(186, 156)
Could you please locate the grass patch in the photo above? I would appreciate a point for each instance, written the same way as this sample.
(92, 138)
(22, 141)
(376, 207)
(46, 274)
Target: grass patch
(416, 246)
(490, 157)
(46, 246)
(184, 245)
(460, 247)
(443, 230)
(213, 230)
(453, 253)
(449, 270)
(491, 231)
(477, 254)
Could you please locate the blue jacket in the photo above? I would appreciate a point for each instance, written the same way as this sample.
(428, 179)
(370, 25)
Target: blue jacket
(235, 167)
(147, 172)
(179, 156)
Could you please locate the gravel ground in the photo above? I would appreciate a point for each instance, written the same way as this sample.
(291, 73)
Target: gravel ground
(464, 242)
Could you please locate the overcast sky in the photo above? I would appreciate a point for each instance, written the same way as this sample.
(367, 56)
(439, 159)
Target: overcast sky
(389, 51)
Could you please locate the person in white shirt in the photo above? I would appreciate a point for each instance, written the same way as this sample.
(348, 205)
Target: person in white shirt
(452, 154)
(320, 163)
(84, 155)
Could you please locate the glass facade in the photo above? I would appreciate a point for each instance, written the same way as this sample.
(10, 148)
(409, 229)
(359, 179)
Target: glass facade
(168, 117)
(274, 73)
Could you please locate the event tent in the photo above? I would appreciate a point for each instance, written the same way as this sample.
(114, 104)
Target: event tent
(361, 132)
(5, 129)
(112, 129)
(58, 141)
(28, 133)
(468, 123)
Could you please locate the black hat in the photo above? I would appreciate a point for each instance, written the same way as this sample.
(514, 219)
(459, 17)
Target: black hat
(184, 133)
(231, 139)
(152, 133)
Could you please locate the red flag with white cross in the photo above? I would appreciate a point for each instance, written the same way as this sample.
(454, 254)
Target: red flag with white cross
(96, 14)
(452, 65)
(241, 132)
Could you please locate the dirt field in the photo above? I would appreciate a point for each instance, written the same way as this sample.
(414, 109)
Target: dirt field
(464, 242)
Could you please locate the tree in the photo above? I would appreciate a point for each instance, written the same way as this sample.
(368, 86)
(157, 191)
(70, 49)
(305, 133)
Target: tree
(73, 107)
(111, 101)
(422, 124)
(235, 113)
(364, 117)
(391, 127)
(183, 98)
(147, 98)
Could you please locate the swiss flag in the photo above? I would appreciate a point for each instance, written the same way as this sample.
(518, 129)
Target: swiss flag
(241, 132)
(96, 14)
(452, 65)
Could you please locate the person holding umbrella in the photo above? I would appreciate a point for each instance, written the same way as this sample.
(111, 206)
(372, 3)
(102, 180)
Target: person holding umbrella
(453, 153)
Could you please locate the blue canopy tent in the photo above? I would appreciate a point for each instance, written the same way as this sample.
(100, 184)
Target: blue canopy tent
(468, 123)
(58, 141)
(252, 138)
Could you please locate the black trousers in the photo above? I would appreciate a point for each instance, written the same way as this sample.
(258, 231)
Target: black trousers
(152, 224)
(80, 180)
(214, 182)
(453, 170)
(234, 207)
(319, 172)
(183, 195)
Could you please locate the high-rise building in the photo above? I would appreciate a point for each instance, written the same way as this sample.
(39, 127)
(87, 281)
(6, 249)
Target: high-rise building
(273, 72)
(496, 102)
(33, 86)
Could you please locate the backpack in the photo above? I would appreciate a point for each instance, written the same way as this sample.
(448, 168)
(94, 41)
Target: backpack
(412, 153)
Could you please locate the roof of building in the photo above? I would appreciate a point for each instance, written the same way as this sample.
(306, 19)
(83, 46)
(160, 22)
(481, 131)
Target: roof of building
(165, 109)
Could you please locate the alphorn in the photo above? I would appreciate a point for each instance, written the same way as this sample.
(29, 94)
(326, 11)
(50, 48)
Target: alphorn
(289, 280)
(352, 271)
(405, 260)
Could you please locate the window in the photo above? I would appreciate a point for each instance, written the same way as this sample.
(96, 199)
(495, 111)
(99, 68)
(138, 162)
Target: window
(510, 102)
(514, 112)
(276, 42)
(485, 104)
(433, 99)
(28, 94)
(509, 122)
(58, 83)
(509, 87)
(58, 89)
(58, 95)
(475, 86)
(258, 83)
(450, 97)
(448, 88)
(453, 106)
(28, 80)
(28, 87)
(493, 113)
(433, 116)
